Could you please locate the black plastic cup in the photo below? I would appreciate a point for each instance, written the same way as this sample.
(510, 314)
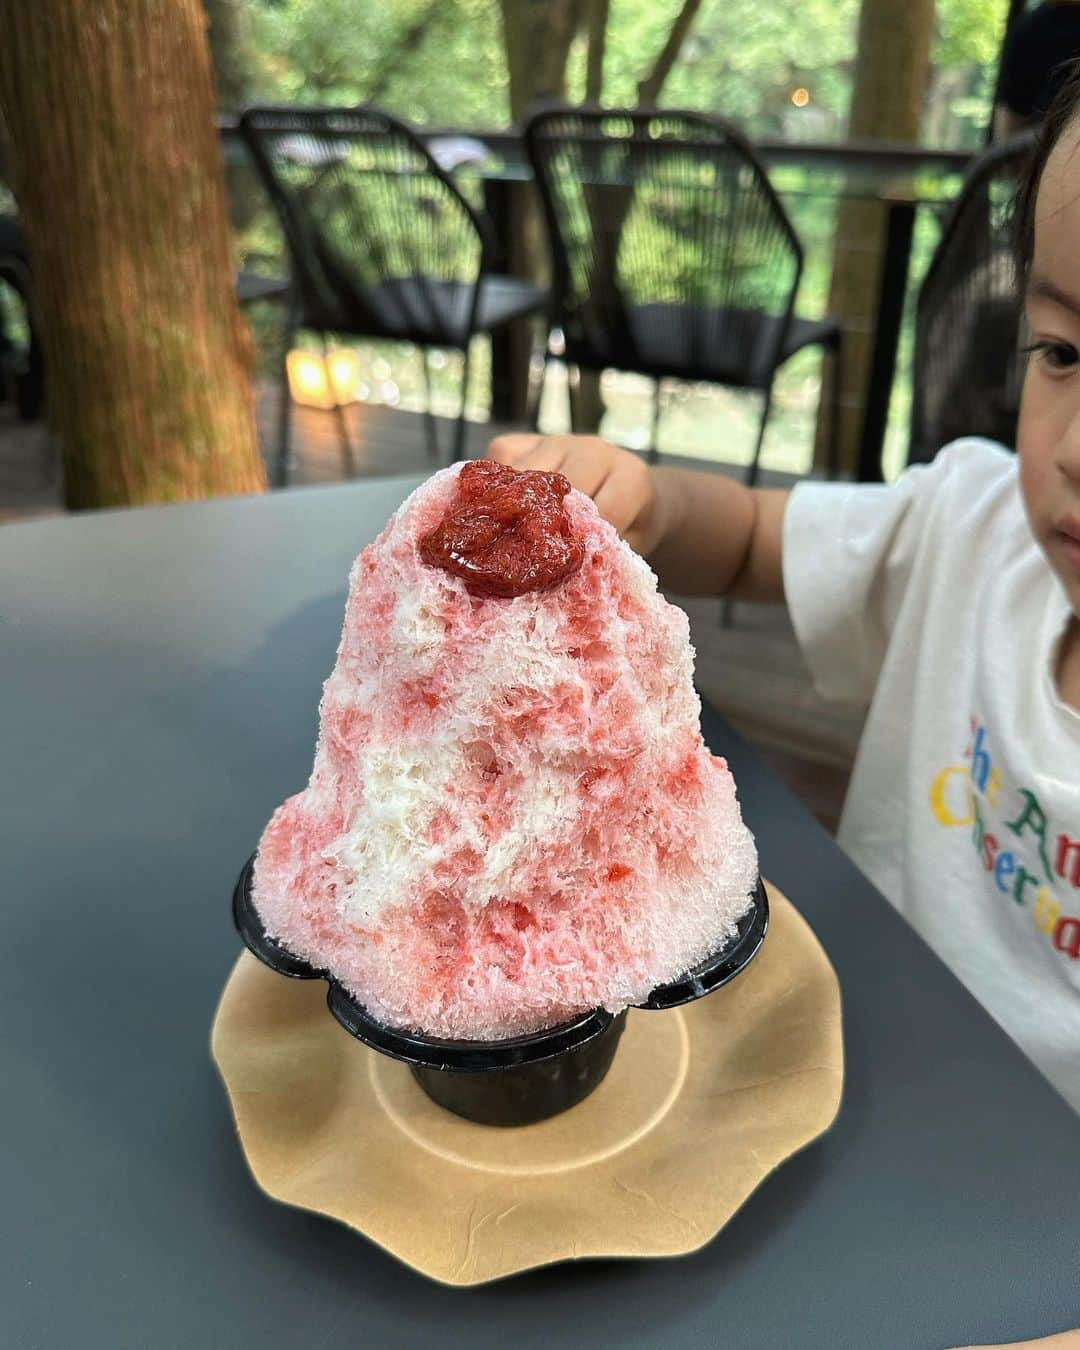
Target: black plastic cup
(518, 1080)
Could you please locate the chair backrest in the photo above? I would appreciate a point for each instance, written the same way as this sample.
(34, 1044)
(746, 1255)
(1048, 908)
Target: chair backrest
(660, 209)
(376, 229)
(968, 369)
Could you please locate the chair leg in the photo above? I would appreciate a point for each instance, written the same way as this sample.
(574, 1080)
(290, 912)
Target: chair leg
(459, 430)
(281, 465)
(536, 398)
(754, 469)
(534, 416)
(832, 448)
(348, 460)
(430, 426)
(573, 385)
(654, 450)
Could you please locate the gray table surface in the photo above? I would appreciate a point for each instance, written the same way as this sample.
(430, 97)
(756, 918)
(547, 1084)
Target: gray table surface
(159, 678)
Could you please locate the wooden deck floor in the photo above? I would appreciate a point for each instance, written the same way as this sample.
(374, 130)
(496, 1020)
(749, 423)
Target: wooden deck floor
(752, 671)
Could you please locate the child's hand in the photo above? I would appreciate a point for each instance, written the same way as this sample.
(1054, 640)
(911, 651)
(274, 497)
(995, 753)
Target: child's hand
(702, 533)
(623, 486)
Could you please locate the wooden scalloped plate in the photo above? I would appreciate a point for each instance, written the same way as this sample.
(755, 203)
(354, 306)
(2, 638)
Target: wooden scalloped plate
(700, 1105)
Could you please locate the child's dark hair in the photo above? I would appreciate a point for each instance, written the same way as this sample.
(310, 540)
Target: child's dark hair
(1064, 109)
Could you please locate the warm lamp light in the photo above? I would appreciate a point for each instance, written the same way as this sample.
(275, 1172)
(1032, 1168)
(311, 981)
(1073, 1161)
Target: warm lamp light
(343, 365)
(318, 382)
(308, 382)
(800, 97)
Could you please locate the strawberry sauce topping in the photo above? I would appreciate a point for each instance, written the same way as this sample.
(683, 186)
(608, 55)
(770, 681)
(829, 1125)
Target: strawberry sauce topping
(507, 532)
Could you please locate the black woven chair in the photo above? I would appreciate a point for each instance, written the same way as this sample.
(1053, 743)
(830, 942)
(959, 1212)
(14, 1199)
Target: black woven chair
(383, 243)
(22, 368)
(673, 256)
(252, 287)
(967, 366)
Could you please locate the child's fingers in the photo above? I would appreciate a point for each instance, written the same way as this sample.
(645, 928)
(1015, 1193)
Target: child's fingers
(585, 460)
(619, 483)
(523, 450)
(516, 448)
(624, 495)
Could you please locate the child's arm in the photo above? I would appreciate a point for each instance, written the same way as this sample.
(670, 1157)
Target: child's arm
(705, 534)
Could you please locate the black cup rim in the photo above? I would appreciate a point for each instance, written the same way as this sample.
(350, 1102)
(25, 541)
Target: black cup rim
(723, 965)
(467, 1056)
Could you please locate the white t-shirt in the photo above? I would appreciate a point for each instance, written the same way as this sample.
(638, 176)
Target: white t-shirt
(931, 600)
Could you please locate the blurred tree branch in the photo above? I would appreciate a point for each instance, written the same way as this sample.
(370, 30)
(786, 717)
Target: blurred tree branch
(594, 73)
(650, 87)
(539, 34)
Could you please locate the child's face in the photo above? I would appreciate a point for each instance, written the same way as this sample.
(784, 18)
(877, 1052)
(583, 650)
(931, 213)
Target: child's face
(1049, 433)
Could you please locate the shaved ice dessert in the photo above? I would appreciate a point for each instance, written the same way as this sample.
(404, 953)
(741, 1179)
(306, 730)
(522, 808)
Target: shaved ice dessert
(512, 818)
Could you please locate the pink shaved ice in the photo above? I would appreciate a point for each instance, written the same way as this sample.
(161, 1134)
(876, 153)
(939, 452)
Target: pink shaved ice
(512, 817)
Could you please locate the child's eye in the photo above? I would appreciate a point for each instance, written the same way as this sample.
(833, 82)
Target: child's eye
(1057, 356)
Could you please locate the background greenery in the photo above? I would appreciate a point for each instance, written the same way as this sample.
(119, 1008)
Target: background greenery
(443, 64)
(743, 58)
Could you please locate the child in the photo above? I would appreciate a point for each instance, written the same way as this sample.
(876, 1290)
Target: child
(950, 603)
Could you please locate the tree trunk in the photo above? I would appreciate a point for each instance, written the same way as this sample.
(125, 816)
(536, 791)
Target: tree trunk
(892, 69)
(649, 88)
(594, 64)
(236, 61)
(538, 34)
(120, 184)
(587, 401)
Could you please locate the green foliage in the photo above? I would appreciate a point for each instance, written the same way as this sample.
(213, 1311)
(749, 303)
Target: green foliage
(743, 59)
(340, 51)
(969, 32)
